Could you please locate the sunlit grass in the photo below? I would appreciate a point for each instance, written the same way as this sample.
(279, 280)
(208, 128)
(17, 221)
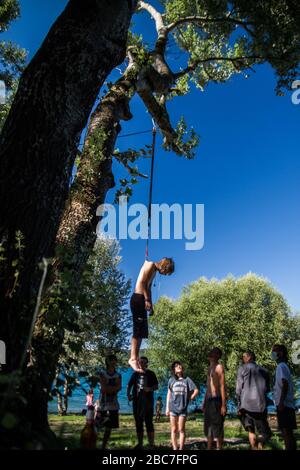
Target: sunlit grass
(69, 427)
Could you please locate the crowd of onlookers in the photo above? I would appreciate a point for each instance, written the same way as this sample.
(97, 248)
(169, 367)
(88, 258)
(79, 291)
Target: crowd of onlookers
(252, 388)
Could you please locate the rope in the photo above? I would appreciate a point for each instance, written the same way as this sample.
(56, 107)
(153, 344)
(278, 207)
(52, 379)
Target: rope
(135, 133)
(150, 189)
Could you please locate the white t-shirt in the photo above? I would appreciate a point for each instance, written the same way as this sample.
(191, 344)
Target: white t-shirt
(283, 372)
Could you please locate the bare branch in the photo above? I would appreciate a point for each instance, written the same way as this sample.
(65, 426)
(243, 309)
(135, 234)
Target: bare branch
(155, 14)
(162, 33)
(203, 19)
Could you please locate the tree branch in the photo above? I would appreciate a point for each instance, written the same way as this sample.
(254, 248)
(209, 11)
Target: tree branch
(122, 157)
(155, 14)
(203, 19)
(192, 67)
(162, 33)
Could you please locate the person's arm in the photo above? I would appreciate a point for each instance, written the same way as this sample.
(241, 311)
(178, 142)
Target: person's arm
(146, 290)
(103, 384)
(168, 403)
(129, 387)
(205, 397)
(284, 392)
(239, 388)
(194, 390)
(220, 372)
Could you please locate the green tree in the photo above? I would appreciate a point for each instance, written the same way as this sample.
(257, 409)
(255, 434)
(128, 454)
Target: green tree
(233, 314)
(38, 146)
(214, 41)
(99, 325)
(12, 57)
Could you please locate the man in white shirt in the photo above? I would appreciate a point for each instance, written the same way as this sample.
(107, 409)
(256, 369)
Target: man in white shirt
(284, 397)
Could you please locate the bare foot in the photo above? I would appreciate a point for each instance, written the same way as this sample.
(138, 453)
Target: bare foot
(134, 363)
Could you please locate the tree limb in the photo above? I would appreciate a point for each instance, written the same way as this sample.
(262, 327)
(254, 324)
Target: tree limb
(192, 67)
(203, 19)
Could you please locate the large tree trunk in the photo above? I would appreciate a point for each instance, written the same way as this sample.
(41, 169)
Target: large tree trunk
(75, 241)
(77, 234)
(38, 146)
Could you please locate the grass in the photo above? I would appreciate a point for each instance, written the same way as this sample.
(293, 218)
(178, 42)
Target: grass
(68, 429)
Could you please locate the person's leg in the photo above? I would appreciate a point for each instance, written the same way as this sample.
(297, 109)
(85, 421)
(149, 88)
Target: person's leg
(174, 430)
(134, 357)
(106, 436)
(260, 445)
(149, 425)
(139, 427)
(220, 441)
(252, 440)
(210, 441)
(181, 429)
(289, 439)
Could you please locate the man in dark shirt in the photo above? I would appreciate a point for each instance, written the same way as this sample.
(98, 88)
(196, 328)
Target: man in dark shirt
(142, 385)
(251, 388)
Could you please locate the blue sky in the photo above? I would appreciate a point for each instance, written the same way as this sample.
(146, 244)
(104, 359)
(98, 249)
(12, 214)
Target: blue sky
(246, 173)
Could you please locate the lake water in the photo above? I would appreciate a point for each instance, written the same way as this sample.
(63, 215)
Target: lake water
(78, 399)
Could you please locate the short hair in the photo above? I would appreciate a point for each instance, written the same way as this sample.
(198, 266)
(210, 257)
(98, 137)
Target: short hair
(144, 358)
(282, 348)
(167, 266)
(251, 354)
(110, 357)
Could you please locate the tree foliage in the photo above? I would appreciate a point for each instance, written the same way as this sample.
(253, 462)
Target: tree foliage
(233, 314)
(98, 323)
(12, 57)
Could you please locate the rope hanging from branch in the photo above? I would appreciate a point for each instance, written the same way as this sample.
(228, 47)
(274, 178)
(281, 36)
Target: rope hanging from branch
(150, 188)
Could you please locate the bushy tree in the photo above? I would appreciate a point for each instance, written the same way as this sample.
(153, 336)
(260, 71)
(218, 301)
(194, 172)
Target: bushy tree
(233, 314)
(98, 321)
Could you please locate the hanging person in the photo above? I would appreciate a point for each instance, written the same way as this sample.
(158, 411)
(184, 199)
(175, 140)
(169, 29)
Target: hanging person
(141, 303)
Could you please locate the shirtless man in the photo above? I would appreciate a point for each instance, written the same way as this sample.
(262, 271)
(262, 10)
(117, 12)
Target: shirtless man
(141, 303)
(214, 405)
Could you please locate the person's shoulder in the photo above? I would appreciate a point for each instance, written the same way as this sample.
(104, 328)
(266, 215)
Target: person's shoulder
(282, 366)
(171, 381)
(219, 368)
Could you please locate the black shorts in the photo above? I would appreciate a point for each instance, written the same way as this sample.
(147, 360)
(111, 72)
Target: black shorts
(108, 419)
(287, 418)
(139, 316)
(213, 420)
(256, 423)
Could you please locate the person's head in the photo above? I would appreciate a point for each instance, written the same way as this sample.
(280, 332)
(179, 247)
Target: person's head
(214, 355)
(280, 353)
(177, 369)
(111, 361)
(91, 391)
(159, 398)
(166, 266)
(144, 362)
(248, 356)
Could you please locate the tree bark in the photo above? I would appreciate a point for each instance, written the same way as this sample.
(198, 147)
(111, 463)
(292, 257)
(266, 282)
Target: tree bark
(74, 242)
(38, 146)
